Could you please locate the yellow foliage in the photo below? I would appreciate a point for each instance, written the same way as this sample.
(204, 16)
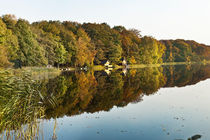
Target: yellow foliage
(3, 58)
(133, 72)
(133, 60)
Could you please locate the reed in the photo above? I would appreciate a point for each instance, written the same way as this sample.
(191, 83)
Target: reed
(21, 106)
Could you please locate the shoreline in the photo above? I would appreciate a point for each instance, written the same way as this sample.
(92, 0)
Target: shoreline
(98, 67)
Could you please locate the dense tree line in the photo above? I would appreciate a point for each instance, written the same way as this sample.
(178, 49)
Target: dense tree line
(73, 44)
(185, 51)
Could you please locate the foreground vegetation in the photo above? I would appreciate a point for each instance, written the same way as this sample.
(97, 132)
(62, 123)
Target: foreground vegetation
(73, 44)
(20, 106)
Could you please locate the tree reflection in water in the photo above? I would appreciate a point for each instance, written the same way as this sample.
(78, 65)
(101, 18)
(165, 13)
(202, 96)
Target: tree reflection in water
(74, 93)
(24, 102)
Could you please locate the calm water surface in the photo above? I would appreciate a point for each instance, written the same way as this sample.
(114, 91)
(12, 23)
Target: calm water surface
(165, 103)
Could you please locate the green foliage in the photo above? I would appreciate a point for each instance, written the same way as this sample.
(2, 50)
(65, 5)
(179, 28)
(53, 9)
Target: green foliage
(60, 53)
(106, 40)
(151, 51)
(115, 54)
(68, 39)
(47, 43)
(30, 53)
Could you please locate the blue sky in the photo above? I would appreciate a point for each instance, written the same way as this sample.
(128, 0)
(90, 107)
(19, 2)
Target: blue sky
(162, 19)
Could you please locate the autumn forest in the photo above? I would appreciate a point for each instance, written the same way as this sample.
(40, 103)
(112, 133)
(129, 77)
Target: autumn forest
(74, 45)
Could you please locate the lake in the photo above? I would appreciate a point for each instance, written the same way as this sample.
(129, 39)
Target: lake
(153, 103)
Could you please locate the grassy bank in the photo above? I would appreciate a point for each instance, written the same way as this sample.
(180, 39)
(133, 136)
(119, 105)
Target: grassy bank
(98, 67)
(166, 64)
(50, 71)
(37, 73)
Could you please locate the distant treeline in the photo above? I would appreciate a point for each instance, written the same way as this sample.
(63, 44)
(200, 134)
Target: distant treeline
(74, 44)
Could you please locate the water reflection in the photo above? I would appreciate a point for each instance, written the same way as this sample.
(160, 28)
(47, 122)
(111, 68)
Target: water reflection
(73, 93)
